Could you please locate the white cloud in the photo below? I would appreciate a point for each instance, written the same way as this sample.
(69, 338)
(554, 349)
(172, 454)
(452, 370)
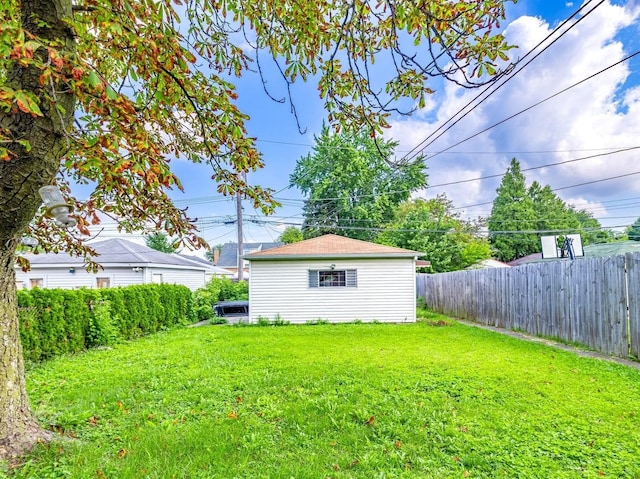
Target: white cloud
(598, 115)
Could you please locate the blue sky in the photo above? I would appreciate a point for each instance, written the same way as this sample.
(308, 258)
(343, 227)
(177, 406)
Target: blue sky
(597, 117)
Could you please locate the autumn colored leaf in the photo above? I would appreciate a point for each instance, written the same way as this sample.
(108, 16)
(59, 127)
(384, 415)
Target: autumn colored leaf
(26, 104)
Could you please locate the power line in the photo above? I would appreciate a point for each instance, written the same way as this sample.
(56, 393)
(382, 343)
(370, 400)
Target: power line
(627, 58)
(494, 87)
(438, 231)
(562, 188)
(498, 175)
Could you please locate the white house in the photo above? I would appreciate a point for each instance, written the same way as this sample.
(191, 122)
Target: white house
(333, 278)
(124, 263)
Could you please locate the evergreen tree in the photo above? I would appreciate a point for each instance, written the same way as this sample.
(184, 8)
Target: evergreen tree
(553, 215)
(533, 212)
(633, 233)
(513, 218)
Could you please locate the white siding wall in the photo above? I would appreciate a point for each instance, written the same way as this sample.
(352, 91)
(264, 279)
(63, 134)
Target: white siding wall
(190, 278)
(125, 276)
(385, 292)
(61, 278)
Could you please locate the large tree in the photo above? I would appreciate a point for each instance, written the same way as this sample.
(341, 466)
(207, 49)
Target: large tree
(107, 92)
(435, 229)
(521, 215)
(351, 185)
(513, 217)
(551, 212)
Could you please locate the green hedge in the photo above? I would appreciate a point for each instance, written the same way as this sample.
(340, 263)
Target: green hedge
(58, 321)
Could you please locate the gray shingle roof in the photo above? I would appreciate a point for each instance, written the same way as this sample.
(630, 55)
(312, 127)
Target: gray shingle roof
(229, 252)
(115, 251)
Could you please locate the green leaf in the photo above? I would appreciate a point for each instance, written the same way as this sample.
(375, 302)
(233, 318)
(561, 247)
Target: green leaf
(93, 79)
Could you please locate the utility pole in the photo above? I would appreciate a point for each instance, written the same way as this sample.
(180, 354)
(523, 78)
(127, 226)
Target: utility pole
(239, 220)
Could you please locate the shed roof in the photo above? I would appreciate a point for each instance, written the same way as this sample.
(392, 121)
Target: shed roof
(332, 246)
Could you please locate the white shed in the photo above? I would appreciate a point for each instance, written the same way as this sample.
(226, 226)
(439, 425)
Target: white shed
(335, 279)
(124, 263)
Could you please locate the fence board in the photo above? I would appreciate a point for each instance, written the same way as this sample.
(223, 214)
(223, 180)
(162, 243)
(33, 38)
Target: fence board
(633, 286)
(593, 301)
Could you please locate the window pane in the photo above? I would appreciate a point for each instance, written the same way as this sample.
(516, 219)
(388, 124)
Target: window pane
(332, 278)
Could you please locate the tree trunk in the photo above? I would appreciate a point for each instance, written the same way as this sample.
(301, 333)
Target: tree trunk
(20, 179)
(18, 430)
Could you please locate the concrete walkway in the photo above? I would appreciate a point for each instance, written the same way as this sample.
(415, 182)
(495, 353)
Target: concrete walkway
(554, 344)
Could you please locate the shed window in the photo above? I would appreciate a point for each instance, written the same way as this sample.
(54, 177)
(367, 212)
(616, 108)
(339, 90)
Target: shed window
(103, 282)
(333, 278)
(36, 282)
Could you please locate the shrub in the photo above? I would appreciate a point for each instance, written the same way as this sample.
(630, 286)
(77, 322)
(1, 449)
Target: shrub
(58, 321)
(216, 290)
(103, 330)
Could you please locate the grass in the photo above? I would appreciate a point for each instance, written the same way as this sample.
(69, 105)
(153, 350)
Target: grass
(434, 399)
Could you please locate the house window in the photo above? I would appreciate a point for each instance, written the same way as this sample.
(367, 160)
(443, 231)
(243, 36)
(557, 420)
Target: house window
(333, 278)
(36, 282)
(103, 282)
(156, 278)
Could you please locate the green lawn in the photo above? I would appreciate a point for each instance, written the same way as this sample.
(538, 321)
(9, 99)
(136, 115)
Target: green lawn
(335, 401)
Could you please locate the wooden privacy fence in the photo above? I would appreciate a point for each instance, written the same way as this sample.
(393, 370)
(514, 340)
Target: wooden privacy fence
(592, 301)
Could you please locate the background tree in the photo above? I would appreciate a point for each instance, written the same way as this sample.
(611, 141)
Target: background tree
(534, 212)
(551, 212)
(591, 230)
(106, 93)
(291, 234)
(160, 242)
(633, 232)
(351, 186)
(513, 211)
(210, 253)
(432, 227)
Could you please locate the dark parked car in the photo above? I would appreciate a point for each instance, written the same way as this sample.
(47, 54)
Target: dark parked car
(231, 308)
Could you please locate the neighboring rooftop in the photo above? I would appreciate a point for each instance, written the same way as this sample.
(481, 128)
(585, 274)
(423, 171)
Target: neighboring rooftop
(611, 249)
(590, 251)
(333, 246)
(229, 252)
(115, 251)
